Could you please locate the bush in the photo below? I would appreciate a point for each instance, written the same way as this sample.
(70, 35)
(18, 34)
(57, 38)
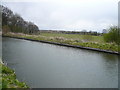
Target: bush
(113, 35)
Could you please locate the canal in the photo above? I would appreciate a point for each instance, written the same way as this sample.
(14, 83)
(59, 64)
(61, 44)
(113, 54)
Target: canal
(43, 65)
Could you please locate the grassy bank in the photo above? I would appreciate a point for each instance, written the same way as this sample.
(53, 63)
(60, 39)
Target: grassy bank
(71, 39)
(8, 78)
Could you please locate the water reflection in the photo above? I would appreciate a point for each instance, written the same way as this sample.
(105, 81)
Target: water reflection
(110, 57)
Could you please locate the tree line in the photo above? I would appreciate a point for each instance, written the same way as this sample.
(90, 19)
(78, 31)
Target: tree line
(12, 22)
(72, 32)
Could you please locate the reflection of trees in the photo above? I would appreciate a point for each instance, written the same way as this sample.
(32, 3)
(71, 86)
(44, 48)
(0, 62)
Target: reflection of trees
(110, 65)
(119, 63)
(109, 57)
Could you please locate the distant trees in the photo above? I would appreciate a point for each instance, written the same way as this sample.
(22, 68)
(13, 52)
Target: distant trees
(94, 33)
(6, 29)
(15, 23)
(113, 35)
(104, 31)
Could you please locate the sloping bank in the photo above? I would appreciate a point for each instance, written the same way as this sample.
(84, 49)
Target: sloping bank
(67, 45)
(8, 78)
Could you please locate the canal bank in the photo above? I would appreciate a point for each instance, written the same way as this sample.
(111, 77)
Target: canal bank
(8, 78)
(66, 45)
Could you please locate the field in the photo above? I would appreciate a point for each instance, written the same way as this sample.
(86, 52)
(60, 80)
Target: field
(72, 39)
(75, 37)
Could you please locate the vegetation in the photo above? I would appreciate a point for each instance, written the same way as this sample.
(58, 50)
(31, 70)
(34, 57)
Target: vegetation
(113, 35)
(15, 23)
(8, 78)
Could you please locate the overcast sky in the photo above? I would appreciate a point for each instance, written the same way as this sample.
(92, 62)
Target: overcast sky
(94, 15)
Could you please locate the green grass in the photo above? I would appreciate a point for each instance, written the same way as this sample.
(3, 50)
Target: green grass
(8, 78)
(73, 39)
(75, 36)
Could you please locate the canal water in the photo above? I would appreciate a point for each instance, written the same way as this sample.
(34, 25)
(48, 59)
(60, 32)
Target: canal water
(43, 65)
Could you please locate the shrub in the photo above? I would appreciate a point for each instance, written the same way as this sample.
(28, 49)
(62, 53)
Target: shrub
(113, 35)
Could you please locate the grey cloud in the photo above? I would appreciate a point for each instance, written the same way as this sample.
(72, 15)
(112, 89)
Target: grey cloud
(76, 16)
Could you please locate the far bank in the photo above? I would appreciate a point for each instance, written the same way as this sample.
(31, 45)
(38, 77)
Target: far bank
(70, 40)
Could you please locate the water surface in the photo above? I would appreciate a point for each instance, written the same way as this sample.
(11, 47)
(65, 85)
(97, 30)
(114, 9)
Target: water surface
(43, 65)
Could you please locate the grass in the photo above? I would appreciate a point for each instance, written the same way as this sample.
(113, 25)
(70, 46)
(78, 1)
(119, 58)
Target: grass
(72, 39)
(8, 78)
(75, 36)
